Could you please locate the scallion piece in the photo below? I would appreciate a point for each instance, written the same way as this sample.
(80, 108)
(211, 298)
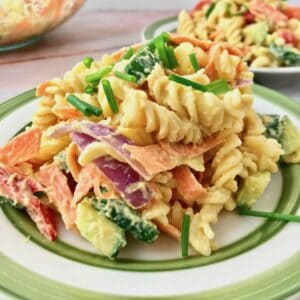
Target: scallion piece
(218, 87)
(110, 96)
(126, 77)
(210, 10)
(164, 36)
(194, 62)
(185, 232)
(161, 49)
(86, 108)
(128, 53)
(90, 89)
(215, 87)
(87, 61)
(95, 78)
(173, 63)
(268, 215)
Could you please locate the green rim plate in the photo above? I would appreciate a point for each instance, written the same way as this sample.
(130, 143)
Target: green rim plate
(20, 281)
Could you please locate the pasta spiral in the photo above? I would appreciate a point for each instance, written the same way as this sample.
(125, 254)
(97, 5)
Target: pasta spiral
(138, 112)
(186, 24)
(43, 116)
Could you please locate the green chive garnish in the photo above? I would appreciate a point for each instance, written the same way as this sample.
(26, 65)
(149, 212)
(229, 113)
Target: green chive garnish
(164, 36)
(87, 61)
(126, 77)
(128, 53)
(161, 49)
(90, 89)
(173, 63)
(185, 232)
(95, 78)
(86, 108)
(268, 215)
(210, 10)
(194, 62)
(215, 87)
(110, 96)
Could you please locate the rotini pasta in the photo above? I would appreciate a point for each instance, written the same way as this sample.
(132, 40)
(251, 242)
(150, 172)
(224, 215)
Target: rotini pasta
(151, 140)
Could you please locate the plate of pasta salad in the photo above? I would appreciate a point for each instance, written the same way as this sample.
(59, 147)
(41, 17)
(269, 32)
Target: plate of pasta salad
(267, 32)
(157, 164)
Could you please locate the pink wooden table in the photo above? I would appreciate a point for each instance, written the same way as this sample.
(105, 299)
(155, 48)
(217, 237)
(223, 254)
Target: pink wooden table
(90, 32)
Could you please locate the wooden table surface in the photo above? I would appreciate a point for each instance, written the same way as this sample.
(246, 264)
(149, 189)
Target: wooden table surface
(90, 32)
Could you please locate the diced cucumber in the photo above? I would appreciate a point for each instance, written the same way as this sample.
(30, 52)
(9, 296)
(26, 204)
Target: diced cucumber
(142, 64)
(104, 234)
(252, 188)
(127, 218)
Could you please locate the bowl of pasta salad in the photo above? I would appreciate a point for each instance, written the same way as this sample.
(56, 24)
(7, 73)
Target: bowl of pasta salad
(24, 22)
(267, 32)
(130, 162)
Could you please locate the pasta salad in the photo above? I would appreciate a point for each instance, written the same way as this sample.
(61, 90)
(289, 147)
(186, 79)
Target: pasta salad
(157, 138)
(267, 31)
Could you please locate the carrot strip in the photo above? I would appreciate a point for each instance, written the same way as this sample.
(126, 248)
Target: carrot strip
(21, 148)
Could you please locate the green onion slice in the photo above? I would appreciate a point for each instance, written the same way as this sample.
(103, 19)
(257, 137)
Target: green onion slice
(128, 53)
(110, 96)
(126, 77)
(164, 36)
(161, 49)
(87, 61)
(173, 63)
(210, 10)
(216, 87)
(90, 89)
(95, 78)
(268, 215)
(194, 62)
(185, 232)
(86, 108)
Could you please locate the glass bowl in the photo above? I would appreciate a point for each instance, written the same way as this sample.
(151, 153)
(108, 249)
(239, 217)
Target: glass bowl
(24, 22)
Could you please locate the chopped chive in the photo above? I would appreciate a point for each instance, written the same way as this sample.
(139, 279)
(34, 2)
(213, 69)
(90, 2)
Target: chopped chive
(87, 61)
(218, 87)
(161, 49)
(90, 89)
(128, 53)
(164, 36)
(95, 78)
(86, 108)
(194, 62)
(268, 215)
(215, 87)
(110, 96)
(173, 63)
(185, 232)
(210, 10)
(126, 77)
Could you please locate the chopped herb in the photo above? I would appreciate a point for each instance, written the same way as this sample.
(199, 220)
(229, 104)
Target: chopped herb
(161, 49)
(216, 87)
(285, 55)
(142, 64)
(86, 108)
(90, 89)
(126, 77)
(110, 96)
(173, 63)
(39, 194)
(185, 230)
(87, 61)
(164, 36)
(194, 62)
(268, 215)
(210, 10)
(95, 78)
(103, 189)
(128, 53)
